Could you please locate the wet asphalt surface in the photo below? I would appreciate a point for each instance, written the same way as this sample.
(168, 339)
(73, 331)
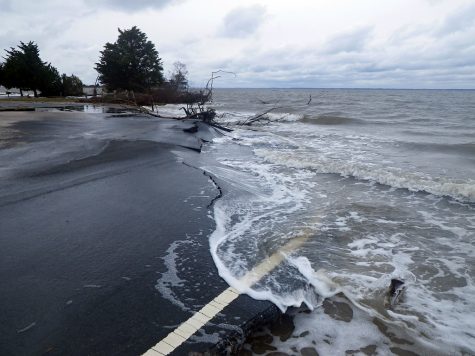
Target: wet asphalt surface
(93, 210)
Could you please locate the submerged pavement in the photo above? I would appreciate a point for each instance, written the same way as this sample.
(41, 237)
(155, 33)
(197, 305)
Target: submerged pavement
(104, 236)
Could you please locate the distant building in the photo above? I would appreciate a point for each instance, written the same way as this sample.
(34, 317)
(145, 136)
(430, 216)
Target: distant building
(4, 92)
(89, 90)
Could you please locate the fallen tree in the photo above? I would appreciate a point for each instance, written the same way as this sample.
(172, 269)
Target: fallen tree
(261, 118)
(196, 106)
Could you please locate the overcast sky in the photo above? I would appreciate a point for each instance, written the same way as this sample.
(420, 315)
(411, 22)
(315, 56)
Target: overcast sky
(272, 43)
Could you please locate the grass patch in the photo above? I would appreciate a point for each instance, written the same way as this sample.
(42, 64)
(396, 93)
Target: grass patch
(25, 99)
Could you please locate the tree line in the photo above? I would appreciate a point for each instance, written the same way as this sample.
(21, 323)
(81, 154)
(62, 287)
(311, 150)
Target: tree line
(23, 69)
(130, 64)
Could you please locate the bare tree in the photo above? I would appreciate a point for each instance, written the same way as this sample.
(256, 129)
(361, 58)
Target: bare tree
(179, 76)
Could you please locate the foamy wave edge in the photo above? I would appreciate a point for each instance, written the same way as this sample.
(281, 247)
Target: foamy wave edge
(396, 178)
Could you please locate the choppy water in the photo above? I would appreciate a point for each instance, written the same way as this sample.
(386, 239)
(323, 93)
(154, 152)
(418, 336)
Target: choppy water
(379, 184)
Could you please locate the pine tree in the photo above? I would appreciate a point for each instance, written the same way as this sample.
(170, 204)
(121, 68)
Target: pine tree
(24, 69)
(49, 81)
(2, 75)
(131, 63)
(71, 85)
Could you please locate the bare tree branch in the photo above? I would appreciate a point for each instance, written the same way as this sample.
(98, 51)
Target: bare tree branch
(260, 118)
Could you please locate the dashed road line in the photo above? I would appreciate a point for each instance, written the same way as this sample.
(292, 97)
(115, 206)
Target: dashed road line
(193, 324)
(210, 310)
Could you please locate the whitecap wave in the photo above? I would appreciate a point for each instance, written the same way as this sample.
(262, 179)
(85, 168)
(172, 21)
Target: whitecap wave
(391, 176)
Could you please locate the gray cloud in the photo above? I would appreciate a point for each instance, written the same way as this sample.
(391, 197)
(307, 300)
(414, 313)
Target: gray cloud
(5, 5)
(459, 21)
(243, 21)
(434, 51)
(349, 42)
(352, 60)
(133, 5)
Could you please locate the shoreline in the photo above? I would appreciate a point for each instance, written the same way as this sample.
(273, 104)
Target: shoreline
(31, 104)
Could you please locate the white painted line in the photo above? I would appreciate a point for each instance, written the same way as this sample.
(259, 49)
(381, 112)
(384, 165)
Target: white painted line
(266, 266)
(187, 328)
(182, 333)
(163, 348)
(195, 323)
(174, 339)
(200, 318)
(218, 304)
(210, 310)
(186, 333)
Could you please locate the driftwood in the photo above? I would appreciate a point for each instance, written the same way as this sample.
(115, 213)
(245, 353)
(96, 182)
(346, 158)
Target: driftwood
(206, 115)
(263, 101)
(195, 108)
(209, 84)
(261, 118)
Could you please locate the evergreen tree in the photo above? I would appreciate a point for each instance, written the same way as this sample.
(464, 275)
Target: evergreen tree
(24, 69)
(1, 75)
(71, 85)
(131, 63)
(12, 75)
(49, 81)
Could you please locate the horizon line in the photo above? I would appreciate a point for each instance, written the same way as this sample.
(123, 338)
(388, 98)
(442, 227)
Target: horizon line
(338, 88)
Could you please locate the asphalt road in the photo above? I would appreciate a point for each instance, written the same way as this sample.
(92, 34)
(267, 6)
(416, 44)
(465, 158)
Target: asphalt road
(103, 236)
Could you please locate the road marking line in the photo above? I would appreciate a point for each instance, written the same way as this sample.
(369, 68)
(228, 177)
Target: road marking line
(201, 318)
(210, 310)
(183, 334)
(174, 340)
(187, 328)
(163, 348)
(218, 304)
(196, 322)
(266, 266)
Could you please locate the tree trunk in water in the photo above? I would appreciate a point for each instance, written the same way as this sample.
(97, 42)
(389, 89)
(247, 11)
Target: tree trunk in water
(133, 96)
(35, 92)
(21, 92)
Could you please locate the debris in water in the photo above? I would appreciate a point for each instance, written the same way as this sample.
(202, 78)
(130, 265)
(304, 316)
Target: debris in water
(396, 288)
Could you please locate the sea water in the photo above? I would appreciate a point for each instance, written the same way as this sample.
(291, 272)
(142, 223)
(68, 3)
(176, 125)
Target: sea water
(374, 185)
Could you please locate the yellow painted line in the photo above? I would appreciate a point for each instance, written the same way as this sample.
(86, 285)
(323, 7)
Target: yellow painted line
(210, 310)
